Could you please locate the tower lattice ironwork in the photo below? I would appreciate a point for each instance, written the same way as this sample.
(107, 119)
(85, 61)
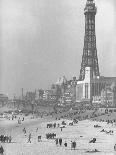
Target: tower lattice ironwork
(89, 57)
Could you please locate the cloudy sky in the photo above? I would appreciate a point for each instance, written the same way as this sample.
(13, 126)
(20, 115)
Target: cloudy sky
(41, 40)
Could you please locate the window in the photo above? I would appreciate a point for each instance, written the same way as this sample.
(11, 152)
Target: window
(86, 90)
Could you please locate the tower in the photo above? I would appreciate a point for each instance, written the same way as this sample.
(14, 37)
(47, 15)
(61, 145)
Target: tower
(89, 57)
(90, 85)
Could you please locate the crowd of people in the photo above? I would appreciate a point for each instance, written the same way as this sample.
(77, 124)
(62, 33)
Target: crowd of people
(5, 139)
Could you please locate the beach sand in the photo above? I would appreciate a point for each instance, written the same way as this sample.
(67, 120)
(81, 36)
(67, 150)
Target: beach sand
(82, 133)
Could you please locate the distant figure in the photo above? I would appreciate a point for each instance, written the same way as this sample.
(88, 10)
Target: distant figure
(10, 138)
(65, 144)
(56, 140)
(19, 121)
(93, 140)
(29, 138)
(74, 145)
(61, 128)
(115, 147)
(24, 130)
(71, 145)
(60, 141)
(39, 138)
(36, 129)
(1, 150)
(91, 151)
(102, 130)
(12, 117)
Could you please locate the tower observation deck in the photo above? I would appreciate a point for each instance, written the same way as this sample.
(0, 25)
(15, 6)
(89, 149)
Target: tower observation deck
(89, 57)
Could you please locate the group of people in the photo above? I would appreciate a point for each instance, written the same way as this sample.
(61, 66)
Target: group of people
(50, 135)
(4, 138)
(51, 125)
(108, 132)
(108, 121)
(19, 120)
(97, 126)
(59, 142)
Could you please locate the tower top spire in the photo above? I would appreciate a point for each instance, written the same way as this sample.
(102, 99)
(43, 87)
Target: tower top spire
(90, 7)
(90, 2)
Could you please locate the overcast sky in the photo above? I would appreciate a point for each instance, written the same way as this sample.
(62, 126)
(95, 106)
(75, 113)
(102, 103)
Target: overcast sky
(41, 40)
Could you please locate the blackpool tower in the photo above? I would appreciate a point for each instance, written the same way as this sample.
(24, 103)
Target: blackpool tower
(91, 86)
(89, 57)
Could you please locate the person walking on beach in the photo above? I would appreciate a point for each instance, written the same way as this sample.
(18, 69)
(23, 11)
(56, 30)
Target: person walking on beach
(29, 138)
(71, 145)
(74, 145)
(60, 141)
(56, 140)
(115, 147)
(24, 130)
(1, 150)
(23, 119)
(19, 121)
(36, 129)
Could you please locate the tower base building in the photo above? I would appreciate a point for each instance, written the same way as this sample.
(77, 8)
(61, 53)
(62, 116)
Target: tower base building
(96, 91)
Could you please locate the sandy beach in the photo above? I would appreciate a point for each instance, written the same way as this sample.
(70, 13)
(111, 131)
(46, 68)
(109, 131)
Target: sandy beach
(82, 133)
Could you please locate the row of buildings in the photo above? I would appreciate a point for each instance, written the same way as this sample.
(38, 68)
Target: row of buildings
(68, 92)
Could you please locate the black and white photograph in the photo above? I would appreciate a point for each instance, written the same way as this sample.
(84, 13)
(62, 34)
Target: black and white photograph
(57, 77)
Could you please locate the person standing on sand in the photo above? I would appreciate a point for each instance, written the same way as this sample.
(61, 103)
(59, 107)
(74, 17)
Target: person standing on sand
(36, 129)
(74, 145)
(1, 150)
(56, 141)
(71, 145)
(60, 141)
(10, 138)
(24, 130)
(65, 144)
(115, 147)
(29, 138)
